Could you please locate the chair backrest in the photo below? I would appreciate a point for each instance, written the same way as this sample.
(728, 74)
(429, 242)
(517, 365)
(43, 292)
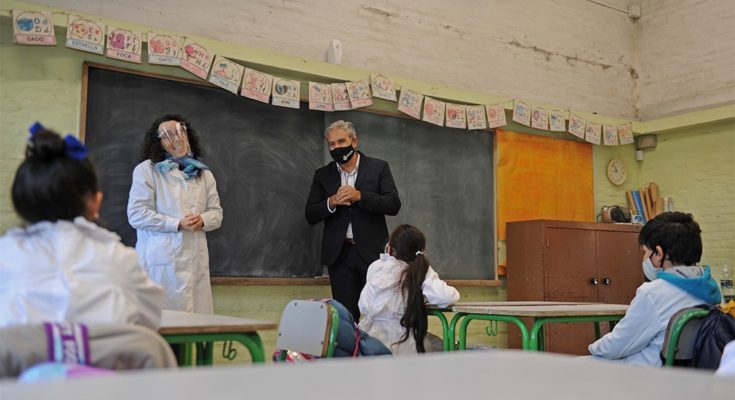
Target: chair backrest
(308, 327)
(681, 333)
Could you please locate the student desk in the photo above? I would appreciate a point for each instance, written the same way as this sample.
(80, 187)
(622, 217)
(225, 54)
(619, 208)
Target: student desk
(542, 312)
(179, 327)
(501, 374)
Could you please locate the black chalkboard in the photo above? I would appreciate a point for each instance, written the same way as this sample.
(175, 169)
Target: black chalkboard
(263, 158)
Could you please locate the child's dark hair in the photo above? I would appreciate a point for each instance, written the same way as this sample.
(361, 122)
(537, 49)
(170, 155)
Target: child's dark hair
(407, 244)
(49, 185)
(678, 235)
(151, 149)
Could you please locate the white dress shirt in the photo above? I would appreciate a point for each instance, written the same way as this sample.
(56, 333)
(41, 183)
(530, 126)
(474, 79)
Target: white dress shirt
(346, 178)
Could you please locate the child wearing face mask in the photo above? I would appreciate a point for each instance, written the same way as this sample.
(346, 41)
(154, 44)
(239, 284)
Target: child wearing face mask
(672, 247)
(399, 285)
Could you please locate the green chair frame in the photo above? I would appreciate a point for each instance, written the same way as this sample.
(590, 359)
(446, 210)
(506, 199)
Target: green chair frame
(679, 322)
(329, 340)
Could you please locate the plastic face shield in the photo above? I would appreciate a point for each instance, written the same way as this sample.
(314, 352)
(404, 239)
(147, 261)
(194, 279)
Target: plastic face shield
(174, 139)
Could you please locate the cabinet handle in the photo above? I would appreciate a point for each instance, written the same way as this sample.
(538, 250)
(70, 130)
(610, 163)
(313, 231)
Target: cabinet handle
(606, 281)
(593, 281)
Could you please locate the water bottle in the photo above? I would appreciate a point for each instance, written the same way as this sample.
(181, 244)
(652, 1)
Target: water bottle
(726, 281)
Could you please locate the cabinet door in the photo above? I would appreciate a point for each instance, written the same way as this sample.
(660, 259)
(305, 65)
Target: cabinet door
(570, 265)
(618, 266)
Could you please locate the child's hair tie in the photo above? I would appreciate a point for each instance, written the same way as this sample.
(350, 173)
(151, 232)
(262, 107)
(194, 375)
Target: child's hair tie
(73, 148)
(419, 252)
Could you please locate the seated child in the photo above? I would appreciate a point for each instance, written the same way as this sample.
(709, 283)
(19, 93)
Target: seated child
(61, 266)
(672, 246)
(399, 284)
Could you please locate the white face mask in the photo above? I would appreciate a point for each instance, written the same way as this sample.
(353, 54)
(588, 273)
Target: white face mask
(649, 270)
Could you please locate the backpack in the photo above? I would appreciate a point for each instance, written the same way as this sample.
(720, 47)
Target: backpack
(718, 329)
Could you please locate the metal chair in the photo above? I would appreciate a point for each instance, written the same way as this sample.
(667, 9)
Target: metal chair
(681, 333)
(308, 327)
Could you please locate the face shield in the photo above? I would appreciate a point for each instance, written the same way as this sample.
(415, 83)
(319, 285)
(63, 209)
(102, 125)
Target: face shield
(174, 139)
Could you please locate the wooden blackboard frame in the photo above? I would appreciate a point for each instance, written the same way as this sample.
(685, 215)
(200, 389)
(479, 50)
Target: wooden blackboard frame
(252, 280)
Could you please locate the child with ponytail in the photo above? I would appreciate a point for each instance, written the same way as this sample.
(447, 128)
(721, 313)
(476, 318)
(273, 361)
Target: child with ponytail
(399, 285)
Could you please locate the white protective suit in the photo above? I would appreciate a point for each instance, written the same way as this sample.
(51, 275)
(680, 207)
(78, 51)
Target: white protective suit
(382, 305)
(76, 272)
(177, 260)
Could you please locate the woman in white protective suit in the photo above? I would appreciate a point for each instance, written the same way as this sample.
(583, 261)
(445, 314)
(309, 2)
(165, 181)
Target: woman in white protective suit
(173, 202)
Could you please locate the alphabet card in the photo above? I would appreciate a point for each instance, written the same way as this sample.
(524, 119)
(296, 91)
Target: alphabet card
(85, 35)
(409, 103)
(522, 113)
(540, 118)
(164, 49)
(340, 97)
(34, 28)
(196, 59)
(286, 93)
(456, 116)
(256, 85)
(610, 135)
(495, 116)
(433, 111)
(123, 44)
(320, 96)
(226, 74)
(625, 132)
(383, 87)
(592, 133)
(476, 117)
(557, 122)
(576, 125)
(359, 94)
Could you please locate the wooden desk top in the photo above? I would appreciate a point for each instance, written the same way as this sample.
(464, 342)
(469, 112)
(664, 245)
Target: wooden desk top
(546, 310)
(502, 374)
(500, 303)
(179, 322)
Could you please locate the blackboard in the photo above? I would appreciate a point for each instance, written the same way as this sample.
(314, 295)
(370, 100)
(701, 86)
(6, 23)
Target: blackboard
(263, 158)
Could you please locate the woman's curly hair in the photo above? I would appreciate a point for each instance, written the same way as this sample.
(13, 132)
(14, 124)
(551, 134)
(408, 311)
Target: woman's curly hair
(151, 149)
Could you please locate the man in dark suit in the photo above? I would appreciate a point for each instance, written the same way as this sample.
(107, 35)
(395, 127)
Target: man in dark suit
(352, 195)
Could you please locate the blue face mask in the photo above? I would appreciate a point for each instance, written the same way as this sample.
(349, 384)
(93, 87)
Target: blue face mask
(649, 270)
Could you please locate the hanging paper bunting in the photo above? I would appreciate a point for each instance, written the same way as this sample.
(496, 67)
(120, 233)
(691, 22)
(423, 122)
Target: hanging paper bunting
(456, 116)
(256, 85)
(433, 111)
(359, 94)
(556, 121)
(35, 28)
(409, 102)
(196, 59)
(495, 116)
(625, 131)
(540, 118)
(226, 74)
(576, 125)
(124, 45)
(85, 35)
(286, 93)
(164, 49)
(320, 96)
(383, 87)
(476, 117)
(610, 135)
(340, 97)
(522, 113)
(592, 133)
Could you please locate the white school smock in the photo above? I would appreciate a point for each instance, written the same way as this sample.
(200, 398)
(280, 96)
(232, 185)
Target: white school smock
(76, 272)
(382, 305)
(177, 260)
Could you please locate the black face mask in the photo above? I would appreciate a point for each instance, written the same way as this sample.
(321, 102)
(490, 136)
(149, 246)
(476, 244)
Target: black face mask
(343, 154)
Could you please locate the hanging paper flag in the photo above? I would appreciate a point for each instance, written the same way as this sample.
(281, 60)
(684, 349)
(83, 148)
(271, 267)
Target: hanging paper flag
(476, 117)
(226, 74)
(123, 44)
(320, 96)
(592, 133)
(340, 97)
(383, 87)
(164, 49)
(576, 125)
(495, 116)
(522, 113)
(556, 121)
(433, 111)
(196, 59)
(256, 85)
(36, 28)
(610, 135)
(286, 93)
(85, 34)
(456, 116)
(409, 102)
(540, 118)
(359, 92)
(625, 131)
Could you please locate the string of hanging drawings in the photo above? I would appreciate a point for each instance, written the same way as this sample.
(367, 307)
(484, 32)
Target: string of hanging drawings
(85, 34)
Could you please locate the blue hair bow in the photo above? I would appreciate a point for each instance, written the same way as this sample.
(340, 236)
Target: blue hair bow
(73, 148)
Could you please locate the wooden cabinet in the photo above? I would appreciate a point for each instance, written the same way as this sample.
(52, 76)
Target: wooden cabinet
(571, 261)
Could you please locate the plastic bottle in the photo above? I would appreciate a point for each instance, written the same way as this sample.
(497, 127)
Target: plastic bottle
(726, 281)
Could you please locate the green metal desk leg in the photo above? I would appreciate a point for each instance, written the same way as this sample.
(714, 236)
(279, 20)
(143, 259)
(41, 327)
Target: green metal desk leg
(453, 329)
(485, 317)
(538, 325)
(445, 327)
(250, 340)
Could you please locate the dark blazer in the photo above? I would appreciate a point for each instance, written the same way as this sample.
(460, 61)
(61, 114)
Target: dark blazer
(379, 197)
